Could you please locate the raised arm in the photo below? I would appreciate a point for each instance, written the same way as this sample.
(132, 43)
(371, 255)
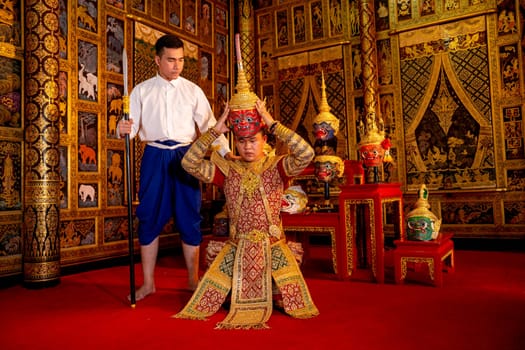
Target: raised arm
(301, 153)
(194, 161)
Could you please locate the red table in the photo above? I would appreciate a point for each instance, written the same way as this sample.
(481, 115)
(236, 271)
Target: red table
(372, 197)
(319, 223)
(437, 254)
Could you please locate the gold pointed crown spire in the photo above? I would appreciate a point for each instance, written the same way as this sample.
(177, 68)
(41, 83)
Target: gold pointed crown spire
(421, 207)
(422, 223)
(243, 98)
(324, 110)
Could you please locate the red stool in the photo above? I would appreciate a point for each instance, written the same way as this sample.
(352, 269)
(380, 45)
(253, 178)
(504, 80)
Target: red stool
(437, 254)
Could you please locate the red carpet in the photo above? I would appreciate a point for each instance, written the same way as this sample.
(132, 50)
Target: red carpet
(481, 306)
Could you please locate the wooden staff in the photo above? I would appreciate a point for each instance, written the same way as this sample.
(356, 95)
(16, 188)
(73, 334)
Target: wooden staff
(125, 102)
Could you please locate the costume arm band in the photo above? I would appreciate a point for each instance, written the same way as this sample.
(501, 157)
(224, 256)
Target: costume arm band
(301, 153)
(194, 162)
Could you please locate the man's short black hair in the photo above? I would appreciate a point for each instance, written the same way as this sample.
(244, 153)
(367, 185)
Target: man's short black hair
(169, 41)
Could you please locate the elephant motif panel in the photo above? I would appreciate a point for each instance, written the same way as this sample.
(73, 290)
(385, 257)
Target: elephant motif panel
(87, 71)
(87, 141)
(115, 179)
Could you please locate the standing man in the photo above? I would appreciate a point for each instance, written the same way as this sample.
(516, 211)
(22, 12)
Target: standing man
(164, 112)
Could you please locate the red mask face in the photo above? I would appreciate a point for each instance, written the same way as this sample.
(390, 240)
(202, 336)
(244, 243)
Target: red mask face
(245, 123)
(326, 171)
(372, 154)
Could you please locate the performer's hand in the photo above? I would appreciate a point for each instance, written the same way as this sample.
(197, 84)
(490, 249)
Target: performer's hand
(263, 112)
(124, 126)
(221, 126)
(231, 156)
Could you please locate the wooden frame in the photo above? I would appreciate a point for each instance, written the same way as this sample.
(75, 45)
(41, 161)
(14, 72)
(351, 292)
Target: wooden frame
(114, 44)
(299, 24)
(221, 96)
(265, 57)
(205, 23)
(513, 131)
(157, 9)
(88, 71)
(264, 23)
(139, 5)
(175, 13)
(189, 16)
(316, 19)
(88, 145)
(85, 19)
(221, 18)
(206, 72)
(115, 177)
(64, 177)
(335, 18)
(221, 55)
(282, 29)
(80, 233)
(88, 194)
(114, 108)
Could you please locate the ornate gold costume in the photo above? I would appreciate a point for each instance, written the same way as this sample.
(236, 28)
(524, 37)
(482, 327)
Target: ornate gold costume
(256, 250)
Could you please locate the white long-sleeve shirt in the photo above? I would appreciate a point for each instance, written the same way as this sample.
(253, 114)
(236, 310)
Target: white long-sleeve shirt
(169, 110)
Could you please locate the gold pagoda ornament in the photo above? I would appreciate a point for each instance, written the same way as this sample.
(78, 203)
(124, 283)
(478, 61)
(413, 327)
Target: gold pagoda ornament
(373, 147)
(325, 124)
(422, 224)
(327, 165)
(243, 118)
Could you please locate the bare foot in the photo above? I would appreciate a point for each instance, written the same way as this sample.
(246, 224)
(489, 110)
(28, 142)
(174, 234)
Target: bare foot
(143, 292)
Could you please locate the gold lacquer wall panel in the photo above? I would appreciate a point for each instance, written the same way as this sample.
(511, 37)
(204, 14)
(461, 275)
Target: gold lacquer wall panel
(10, 92)
(10, 176)
(88, 142)
(513, 131)
(87, 71)
(115, 44)
(448, 120)
(116, 229)
(64, 177)
(63, 87)
(514, 212)
(87, 15)
(114, 93)
(115, 178)
(77, 233)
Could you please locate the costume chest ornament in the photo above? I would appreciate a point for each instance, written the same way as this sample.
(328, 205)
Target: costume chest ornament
(250, 183)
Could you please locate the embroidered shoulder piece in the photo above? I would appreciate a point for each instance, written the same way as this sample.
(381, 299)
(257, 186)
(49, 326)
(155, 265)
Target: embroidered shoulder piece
(221, 163)
(301, 153)
(193, 161)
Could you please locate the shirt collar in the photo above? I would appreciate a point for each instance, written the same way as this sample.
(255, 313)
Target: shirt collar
(164, 82)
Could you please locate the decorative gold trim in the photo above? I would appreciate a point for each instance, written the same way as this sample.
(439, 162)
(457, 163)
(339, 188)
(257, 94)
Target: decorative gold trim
(161, 27)
(282, 52)
(350, 237)
(41, 271)
(406, 259)
(400, 219)
(451, 254)
(442, 21)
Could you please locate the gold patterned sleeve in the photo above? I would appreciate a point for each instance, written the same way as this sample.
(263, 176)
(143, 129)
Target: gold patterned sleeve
(301, 153)
(193, 161)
